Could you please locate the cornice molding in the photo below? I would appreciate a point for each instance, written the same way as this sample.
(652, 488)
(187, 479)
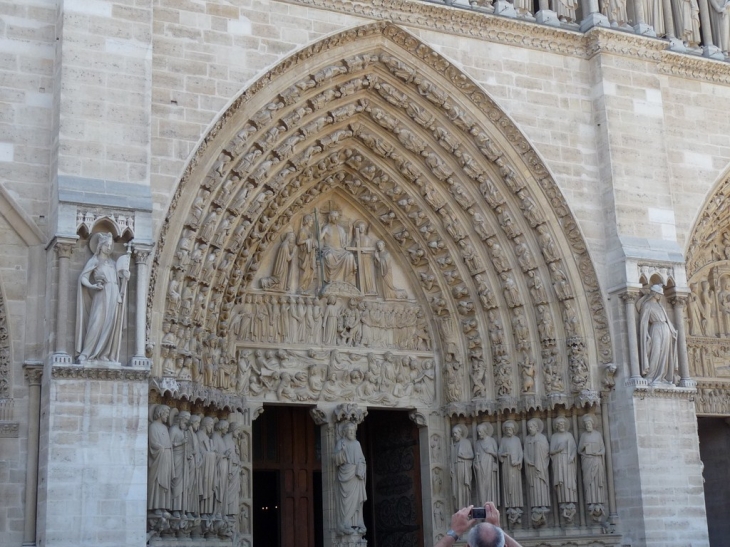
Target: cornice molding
(78, 372)
(503, 30)
(196, 393)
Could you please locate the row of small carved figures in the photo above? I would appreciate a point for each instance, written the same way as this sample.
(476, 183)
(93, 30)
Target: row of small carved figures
(196, 478)
(308, 320)
(540, 458)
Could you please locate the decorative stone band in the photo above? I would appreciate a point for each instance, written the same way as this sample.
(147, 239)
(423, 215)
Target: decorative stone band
(196, 393)
(642, 389)
(105, 374)
(476, 24)
(9, 430)
(585, 399)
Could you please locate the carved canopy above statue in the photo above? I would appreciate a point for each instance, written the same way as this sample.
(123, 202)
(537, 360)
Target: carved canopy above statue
(364, 223)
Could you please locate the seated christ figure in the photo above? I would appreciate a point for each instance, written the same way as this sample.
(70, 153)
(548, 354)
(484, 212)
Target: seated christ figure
(339, 263)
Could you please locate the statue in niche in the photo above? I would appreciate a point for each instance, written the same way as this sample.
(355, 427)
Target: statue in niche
(510, 454)
(547, 244)
(435, 445)
(306, 245)
(362, 246)
(696, 312)
(339, 263)
(563, 454)
(486, 467)
(657, 339)
(160, 464)
(707, 299)
(208, 467)
(537, 459)
(384, 263)
(351, 468)
(102, 291)
(592, 450)
(178, 438)
(462, 458)
(330, 320)
(281, 275)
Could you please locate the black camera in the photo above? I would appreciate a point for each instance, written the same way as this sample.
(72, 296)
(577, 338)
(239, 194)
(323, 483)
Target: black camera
(478, 513)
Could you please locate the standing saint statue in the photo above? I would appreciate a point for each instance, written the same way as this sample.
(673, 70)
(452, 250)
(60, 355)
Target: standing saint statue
(306, 255)
(351, 494)
(384, 262)
(657, 339)
(339, 263)
(563, 454)
(592, 450)
(159, 464)
(462, 458)
(100, 302)
(537, 459)
(486, 467)
(281, 275)
(362, 245)
(510, 453)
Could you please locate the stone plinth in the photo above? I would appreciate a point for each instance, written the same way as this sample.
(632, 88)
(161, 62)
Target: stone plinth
(93, 457)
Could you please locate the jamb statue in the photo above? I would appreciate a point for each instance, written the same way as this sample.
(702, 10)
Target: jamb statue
(351, 494)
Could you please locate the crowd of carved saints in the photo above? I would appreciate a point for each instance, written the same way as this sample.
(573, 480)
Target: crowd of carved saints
(196, 476)
(546, 465)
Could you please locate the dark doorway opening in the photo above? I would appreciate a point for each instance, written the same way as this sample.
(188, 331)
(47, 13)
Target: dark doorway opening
(714, 436)
(287, 479)
(393, 512)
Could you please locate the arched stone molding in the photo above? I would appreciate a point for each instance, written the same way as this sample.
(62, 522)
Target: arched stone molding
(378, 120)
(708, 302)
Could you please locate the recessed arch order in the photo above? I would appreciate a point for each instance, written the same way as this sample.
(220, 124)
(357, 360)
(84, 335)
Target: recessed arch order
(375, 121)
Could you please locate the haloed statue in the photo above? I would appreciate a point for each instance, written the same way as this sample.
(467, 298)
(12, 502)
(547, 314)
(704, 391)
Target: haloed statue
(102, 291)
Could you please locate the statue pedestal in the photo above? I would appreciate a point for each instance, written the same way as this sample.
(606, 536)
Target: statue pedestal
(92, 486)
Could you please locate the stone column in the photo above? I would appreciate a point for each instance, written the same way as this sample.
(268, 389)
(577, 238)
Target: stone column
(34, 374)
(64, 248)
(612, 515)
(428, 493)
(630, 302)
(324, 419)
(679, 302)
(141, 254)
(250, 413)
(640, 26)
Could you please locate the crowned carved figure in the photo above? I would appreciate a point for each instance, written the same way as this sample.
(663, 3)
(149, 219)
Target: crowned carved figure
(339, 263)
(102, 289)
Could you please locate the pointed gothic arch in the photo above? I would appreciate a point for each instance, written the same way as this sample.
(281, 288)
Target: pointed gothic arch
(466, 206)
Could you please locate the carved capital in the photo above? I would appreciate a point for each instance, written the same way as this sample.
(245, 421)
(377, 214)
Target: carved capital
(679, 300)
(142, 253)
(64, 247)
(419, 418)
(629, 297)
(350, 412)
(33, 373)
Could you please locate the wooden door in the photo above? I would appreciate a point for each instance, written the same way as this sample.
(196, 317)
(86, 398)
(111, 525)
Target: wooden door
(394, 511)
(287, 463)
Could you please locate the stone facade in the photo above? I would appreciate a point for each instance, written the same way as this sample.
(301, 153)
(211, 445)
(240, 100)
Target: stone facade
(444, 209)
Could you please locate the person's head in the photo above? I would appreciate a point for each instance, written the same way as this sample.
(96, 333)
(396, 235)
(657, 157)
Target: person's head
(588, 422)
(508, 428)
(485, 535)
(561, 424)
(350, 431)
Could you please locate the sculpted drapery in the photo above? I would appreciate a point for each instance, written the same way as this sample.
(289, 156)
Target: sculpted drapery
(100, 302)
(486, 467)
(351, 473)
(510, 453)
(657, 339)
(462, 459)
(537, 458)
(339, 263)
(160, 462)
(592, 449)
(563, 455)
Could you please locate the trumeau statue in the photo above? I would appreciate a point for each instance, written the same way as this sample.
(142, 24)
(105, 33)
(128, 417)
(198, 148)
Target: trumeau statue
(462, 457)
(351, 474)
(657, 339)
(101, 302)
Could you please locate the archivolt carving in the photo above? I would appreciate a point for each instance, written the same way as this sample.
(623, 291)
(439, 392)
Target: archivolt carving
(398, 145)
